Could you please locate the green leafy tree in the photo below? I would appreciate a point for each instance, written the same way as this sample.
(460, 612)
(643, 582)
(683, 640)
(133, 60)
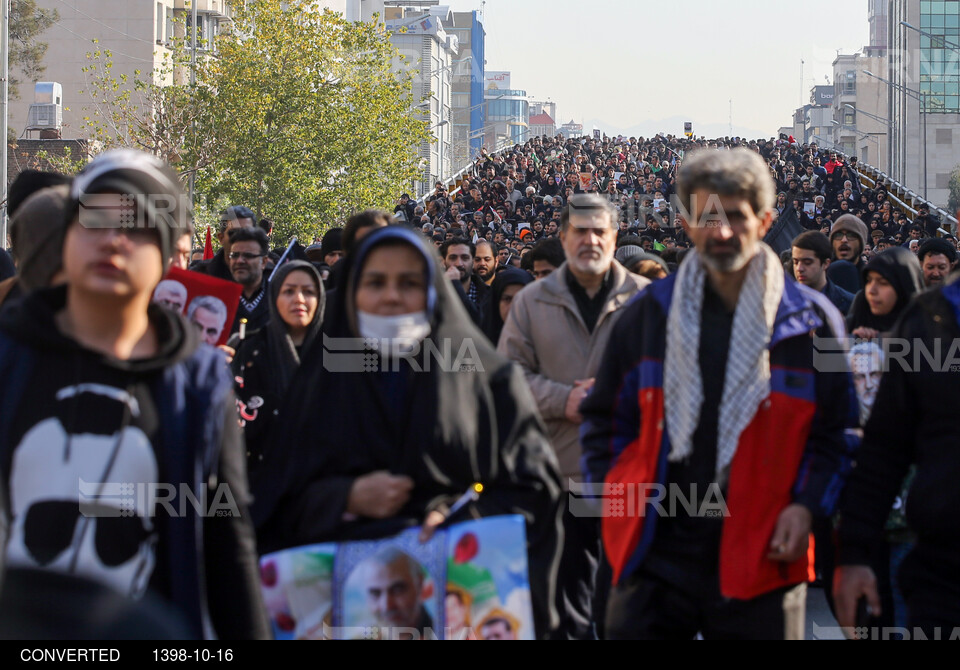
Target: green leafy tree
(156, 112)
(312, 120)
(953, 203)
(296, 112)
(27, 22)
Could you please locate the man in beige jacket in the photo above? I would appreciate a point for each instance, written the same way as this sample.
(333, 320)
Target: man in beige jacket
(557, 331)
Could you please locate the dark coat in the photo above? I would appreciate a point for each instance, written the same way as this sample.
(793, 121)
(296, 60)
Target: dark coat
(210, 561)
(263, 367)
(215, 267)
(445, 425)
(913, 421)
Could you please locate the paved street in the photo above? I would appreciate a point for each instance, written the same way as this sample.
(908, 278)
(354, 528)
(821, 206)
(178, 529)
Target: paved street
(821, 625)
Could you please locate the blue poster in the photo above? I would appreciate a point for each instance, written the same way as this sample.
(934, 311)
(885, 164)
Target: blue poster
(469, 582)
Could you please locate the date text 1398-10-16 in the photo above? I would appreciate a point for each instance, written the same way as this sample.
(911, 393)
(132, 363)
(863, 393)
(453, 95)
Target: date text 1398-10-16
(182, 655)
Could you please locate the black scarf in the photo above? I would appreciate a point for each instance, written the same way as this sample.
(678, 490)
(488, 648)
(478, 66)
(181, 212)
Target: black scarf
(282, 356)
(445, 428)
(492, 323)
(900, 267)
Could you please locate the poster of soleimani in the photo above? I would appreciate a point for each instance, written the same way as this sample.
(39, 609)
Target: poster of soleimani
(469, 582)
(210, 304)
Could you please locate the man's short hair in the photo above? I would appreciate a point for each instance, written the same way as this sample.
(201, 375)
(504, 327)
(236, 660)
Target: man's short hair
(236, 213)
(550, 250)
(589, 204)
(935, 246)
(454, 241)
(815, 241)
(494, 247)
(212, 304)
(738, 172)
(250, 235)
(370, 218)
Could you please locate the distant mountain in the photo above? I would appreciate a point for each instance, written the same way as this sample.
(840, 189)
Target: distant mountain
(674, 126)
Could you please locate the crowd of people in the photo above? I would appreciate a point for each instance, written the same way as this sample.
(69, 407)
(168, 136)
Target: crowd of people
(628, 328)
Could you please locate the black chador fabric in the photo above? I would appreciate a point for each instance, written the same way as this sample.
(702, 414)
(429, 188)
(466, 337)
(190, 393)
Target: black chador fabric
(265, 364)
(445, 420)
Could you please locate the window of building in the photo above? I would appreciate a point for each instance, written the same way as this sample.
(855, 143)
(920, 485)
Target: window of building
(849, 83)
(168, 34)
(939, 59)
(161, 20)
(207, 26)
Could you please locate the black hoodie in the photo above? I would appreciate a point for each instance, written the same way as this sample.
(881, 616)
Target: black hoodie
(119, 427)
(446, 427)
(900, 267)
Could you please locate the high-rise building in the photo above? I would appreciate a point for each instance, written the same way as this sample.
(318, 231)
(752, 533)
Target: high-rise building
(859, 105)
(354, 10)
(137, 34)
(848, 115)
(427, 47)
(818, 116)
(467, 110)
(508, 112)
(537, 108)
(924, 106)
(877, 17)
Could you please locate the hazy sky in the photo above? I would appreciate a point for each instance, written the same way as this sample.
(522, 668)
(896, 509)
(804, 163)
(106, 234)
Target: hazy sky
(632, 62)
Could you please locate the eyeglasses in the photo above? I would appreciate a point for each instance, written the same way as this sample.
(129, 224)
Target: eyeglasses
(245, 255)
(844, 235)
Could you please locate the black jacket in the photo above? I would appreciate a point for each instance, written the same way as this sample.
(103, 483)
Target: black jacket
(260, 315)
(445, 425)
(170, 418)
(840, 298)
(914, 421)
(215, 267)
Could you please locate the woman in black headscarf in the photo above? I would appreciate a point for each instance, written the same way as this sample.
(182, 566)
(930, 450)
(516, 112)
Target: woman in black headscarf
(508, 283)
(890, 280)
(267, 359)
(388, 437)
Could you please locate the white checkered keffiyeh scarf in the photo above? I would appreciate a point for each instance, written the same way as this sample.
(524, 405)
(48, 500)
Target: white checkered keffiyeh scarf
(747, 380)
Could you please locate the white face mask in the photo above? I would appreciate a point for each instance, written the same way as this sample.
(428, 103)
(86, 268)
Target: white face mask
(401, 334)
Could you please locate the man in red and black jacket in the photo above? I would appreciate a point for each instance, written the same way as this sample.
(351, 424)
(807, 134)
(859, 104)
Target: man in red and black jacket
(716, 436)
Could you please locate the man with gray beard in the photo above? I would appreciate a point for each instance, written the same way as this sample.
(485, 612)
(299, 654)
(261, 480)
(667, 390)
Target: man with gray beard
(556, 331)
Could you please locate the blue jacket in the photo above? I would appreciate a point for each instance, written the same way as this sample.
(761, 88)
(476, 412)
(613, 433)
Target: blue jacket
(841, 298)
(796, 449)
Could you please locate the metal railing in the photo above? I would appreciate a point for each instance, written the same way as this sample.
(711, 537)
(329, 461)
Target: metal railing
(907, 200)
(472, 169)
